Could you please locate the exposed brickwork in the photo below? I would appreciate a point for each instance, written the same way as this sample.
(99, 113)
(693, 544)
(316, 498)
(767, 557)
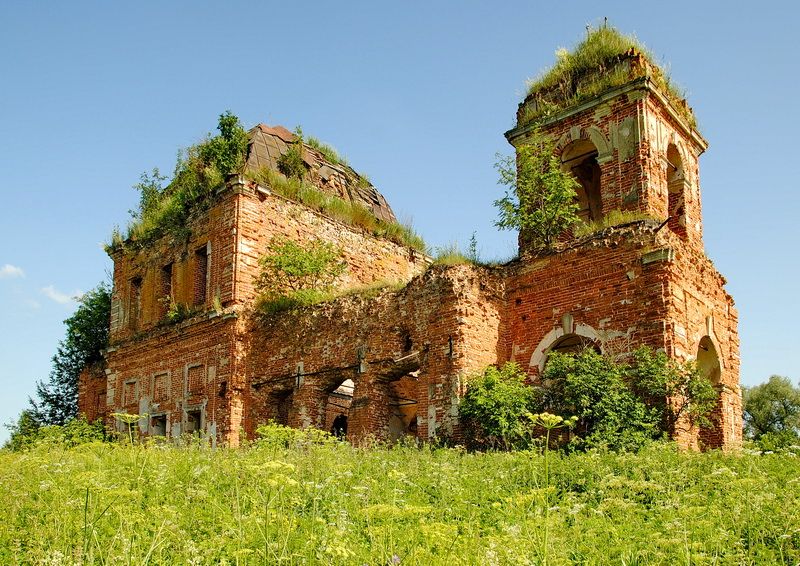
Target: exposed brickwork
(175, 370)
(632, 134)
(92, 389)
(404, 351)
(395, 364)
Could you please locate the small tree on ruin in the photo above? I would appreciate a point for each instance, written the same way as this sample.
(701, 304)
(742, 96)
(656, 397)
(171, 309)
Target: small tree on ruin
(540, 199)
(294, 275)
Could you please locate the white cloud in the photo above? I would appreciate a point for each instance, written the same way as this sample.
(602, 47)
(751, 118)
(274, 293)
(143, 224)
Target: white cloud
(54, 294)
(9, 271)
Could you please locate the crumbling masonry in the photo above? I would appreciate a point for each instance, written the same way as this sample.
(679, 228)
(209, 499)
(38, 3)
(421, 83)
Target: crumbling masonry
(395, 364)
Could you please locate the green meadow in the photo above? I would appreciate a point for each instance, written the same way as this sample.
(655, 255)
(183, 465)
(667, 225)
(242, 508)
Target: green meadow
(294, 499)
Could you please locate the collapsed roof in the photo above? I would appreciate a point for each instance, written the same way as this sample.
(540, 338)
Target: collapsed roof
(269, 143)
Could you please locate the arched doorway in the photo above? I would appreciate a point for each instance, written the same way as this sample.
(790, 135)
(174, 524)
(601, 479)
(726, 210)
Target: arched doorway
(337, 408)
(709, 367)
(580, 158)
(339, 426)
(403, 406)
(279, 405)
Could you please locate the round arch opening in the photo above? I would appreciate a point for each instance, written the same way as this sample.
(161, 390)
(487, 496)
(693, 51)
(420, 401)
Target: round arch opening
(676, 188)
(580, 158)
(708, 365)
(571, 344)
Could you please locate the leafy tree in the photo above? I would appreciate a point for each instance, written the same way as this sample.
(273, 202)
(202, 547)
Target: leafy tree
(87, 335)
(24, 432)
(772, 412)
(293, 274)
(540, 199)
(495, 407)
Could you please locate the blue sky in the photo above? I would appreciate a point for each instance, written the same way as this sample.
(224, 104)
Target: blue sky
(415, 94)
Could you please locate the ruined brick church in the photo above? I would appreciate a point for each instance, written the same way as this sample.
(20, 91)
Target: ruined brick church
(394, 363)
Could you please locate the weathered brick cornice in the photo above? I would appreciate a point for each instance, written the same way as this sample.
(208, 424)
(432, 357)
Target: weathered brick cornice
(641, 84)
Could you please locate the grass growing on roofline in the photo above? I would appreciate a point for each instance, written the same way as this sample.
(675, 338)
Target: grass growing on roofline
(614, 217)
(267, 306)
(599, 52)
(337, 208)
(327, 150)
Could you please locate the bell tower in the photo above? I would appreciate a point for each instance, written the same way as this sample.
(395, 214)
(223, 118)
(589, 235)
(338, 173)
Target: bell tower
(623, 130)
(636, 273)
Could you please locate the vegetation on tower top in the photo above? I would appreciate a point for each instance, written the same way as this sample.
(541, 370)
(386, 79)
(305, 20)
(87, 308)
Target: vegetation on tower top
(605, 59)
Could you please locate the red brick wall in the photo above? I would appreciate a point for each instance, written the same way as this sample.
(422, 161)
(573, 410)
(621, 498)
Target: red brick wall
(264, 217)
(152, 359)
(214, 229)
(188, 366)
(446, 320)
(700, 307)
(409, 352)
(632, 133)
(92, 392)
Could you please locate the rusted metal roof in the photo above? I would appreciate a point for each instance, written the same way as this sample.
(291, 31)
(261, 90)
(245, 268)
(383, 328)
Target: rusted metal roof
(279, 131)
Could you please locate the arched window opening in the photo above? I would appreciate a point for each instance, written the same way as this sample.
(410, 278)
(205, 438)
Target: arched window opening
(676, 189)
(580, 158)
(337, 408)
(709, 367)
(403, 406)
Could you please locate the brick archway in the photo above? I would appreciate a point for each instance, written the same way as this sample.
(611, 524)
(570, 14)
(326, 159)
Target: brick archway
(710, 367)
(552, 338)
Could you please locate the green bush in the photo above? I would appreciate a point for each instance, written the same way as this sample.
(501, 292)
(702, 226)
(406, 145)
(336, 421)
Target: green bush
(26, 433)
(674, 390)
(593, 388)
(178, 312)
(294, 275)
(291, 163)
(779, 441)
(620, 406)
(495, 407)
(624, 405)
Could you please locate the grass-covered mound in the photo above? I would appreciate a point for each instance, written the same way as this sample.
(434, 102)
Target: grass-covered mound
(289, 500)
(605, 59)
